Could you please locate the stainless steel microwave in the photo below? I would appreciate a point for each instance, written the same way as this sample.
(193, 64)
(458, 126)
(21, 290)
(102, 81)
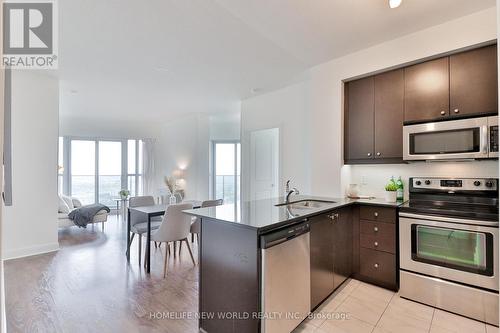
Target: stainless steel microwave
(473, 138)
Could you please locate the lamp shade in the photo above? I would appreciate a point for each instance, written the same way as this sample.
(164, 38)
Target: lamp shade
(179, 174)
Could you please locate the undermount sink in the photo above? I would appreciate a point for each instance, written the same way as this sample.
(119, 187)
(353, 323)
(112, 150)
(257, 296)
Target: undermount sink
(306, 204)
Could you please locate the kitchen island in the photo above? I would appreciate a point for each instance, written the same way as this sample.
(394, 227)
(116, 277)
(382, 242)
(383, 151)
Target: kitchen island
(231, 253)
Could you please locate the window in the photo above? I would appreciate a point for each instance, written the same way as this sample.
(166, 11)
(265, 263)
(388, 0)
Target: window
(83, 170)
(98, 169)
(227, 171)
(110, 171)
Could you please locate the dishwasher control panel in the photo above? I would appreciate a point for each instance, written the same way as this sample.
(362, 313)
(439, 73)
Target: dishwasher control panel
(282, 235)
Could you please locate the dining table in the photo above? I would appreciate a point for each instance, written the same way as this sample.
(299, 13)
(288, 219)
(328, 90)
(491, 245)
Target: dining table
(149, 212)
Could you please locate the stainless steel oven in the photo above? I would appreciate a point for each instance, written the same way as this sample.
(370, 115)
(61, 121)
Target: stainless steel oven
(460, 250)
(474, 138)
(448, 245)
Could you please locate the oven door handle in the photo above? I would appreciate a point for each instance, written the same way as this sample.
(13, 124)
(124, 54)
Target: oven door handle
(450, 219)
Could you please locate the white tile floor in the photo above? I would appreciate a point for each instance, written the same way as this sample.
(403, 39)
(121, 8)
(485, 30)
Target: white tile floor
(358, 307)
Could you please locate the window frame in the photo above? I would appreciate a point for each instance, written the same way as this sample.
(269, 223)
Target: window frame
(138, 142)
(67, 185)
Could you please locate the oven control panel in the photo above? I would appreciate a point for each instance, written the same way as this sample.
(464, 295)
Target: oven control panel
(458, 184)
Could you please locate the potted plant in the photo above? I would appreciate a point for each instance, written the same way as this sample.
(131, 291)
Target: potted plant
(124, 194)
(390, 191)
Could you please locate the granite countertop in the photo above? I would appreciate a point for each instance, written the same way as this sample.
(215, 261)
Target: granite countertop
(264, 215)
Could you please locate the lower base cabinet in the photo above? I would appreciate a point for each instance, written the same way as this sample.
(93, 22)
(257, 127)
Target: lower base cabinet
(375, 251)
(343, 252)
(322, 247)
(331, 252)
(378, 267)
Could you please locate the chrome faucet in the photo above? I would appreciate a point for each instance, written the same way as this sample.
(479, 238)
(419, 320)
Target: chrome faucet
(287, 186)
(293, 190)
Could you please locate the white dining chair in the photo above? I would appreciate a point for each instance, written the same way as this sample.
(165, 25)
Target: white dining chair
(196, 225)
(175, 227)
(138, 222)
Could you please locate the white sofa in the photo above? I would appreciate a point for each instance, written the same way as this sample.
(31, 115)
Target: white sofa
(64, 221)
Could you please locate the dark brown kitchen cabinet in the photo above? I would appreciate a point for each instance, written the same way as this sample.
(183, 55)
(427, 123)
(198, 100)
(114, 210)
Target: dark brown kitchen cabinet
(359, 119)
(331, 252)
(374, 119)
(322, 258)
(427, 91)
(375, 257)
(342, 254)
(389, 103)
(473, 82)
(378, 267)
(376, 107)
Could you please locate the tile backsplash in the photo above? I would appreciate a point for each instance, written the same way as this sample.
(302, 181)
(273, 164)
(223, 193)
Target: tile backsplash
(372, 178)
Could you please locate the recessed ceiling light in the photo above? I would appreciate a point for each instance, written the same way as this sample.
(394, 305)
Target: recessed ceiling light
(394, 3)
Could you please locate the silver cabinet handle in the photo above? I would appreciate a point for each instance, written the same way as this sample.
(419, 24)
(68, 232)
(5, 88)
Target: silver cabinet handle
(375, 214)
(333, 217)
(375, 244)
(375, 229)
(376, 265)
(456, 111)
(443, 113)
(369, 154)
(378, 154)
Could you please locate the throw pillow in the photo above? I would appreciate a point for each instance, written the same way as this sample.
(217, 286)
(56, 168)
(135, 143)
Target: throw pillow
(68, 201)
(63, 206)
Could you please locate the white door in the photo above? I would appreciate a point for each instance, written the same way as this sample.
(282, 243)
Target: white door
(264, 164)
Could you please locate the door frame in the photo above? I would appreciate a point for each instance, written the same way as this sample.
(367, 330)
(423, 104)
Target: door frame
(278, 159)
(212, 172)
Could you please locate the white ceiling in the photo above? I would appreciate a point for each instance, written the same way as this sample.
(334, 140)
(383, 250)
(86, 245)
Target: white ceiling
(155, 59)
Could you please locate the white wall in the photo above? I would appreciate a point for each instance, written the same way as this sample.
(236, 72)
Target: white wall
(106, 128)
(469, 30)
(183, 144)
(284, 109)
(323, 107)
(225, 126)
(30, 224)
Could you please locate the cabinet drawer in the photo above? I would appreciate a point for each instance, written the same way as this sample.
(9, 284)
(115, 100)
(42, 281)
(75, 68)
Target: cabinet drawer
(379, 242)
(376, 213)
(377, 265)
(377, 228)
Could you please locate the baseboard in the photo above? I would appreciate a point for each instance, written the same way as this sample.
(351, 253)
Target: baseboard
(30, 251)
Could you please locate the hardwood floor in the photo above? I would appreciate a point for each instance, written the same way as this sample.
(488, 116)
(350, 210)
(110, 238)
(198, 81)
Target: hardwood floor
(87, 286)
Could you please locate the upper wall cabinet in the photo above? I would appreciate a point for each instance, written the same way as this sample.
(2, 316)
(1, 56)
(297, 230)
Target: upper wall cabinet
(427, 90)
(374, 119)
(389, 99)
(473, 82)
(460, 85)
(359, 119)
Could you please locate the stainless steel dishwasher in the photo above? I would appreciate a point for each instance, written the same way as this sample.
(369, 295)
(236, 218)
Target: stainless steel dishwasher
(286, 278)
